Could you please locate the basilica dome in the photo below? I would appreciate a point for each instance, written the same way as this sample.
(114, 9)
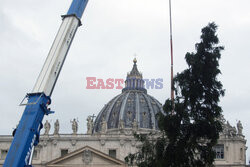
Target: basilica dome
(132, 109)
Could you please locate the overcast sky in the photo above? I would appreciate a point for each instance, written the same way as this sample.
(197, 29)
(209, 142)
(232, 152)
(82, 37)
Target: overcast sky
(104, 47)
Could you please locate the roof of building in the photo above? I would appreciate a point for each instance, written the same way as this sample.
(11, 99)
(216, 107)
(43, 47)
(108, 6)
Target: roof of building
(131, 109)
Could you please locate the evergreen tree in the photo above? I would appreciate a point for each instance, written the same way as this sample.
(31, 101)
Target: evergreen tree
(191, 127)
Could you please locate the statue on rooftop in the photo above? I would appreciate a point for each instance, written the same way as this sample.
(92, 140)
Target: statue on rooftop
(47, 127)
(56, 127)
(134, 125)
(90, 124)
(121, 124)
(104, 125)
(74, 126)
(240, 128)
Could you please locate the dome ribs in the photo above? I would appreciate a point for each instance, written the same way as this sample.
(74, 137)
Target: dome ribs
(152, 114)
(130, 110)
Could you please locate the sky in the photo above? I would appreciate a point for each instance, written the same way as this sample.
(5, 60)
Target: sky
(113, 32)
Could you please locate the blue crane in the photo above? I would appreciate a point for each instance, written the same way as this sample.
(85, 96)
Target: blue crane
(28, 131)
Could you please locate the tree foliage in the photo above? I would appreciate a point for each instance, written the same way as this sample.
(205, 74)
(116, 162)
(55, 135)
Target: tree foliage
(190, 126)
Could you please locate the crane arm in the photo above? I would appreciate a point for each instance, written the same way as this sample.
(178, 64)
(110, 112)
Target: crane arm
(28, 130)
(59, 49)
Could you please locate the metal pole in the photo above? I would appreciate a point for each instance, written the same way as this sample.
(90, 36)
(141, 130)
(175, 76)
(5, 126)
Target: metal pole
(171, 47)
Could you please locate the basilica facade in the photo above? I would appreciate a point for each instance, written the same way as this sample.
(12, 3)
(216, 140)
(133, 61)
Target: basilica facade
(109, 137)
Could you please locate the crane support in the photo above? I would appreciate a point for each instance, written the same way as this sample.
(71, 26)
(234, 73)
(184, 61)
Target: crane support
(28, 130)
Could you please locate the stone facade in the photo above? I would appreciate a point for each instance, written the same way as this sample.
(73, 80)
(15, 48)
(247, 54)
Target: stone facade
(111, 148)
(53, 147)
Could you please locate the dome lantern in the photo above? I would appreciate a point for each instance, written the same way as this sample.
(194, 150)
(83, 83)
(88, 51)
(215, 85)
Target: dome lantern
(134, 80)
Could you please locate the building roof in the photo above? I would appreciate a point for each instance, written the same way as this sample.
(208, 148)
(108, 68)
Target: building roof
(131, 109)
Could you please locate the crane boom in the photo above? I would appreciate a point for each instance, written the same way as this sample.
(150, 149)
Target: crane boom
(28, 130)
(55, 59)
(57, 54)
